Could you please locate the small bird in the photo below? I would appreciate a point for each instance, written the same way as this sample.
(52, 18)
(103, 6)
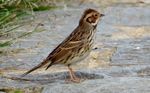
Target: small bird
(76, 46)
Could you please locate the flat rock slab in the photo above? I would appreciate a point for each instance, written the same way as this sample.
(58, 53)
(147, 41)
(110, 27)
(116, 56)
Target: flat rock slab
(118, 63)
(109, 85)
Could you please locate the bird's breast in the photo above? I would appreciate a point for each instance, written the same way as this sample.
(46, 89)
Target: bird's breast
(83, 50)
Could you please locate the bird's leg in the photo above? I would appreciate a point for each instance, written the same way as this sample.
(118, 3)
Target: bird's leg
(72, 75)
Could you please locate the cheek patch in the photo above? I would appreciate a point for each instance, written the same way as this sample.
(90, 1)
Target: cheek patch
(89, 20)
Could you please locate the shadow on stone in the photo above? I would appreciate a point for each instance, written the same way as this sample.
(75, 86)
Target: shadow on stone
(59, 77)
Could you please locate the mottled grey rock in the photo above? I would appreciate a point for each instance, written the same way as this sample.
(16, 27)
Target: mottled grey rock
(109, 85)
(2, 92)
(120, 63)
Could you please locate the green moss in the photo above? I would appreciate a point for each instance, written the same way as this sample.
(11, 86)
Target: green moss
(7, 43)
(8, 15)
(18, 91)
(12, 90)
(10, 10)
(43, 8)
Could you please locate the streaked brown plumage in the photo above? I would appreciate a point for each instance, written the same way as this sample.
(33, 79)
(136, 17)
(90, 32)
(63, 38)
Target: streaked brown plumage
(76, 46)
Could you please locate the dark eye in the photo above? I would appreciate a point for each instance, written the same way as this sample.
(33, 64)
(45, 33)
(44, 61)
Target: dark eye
(95, 15)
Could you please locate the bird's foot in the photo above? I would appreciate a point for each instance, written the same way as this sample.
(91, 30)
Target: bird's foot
(74, 80)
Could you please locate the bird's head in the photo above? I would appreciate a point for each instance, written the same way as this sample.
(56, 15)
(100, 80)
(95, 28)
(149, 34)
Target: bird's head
(90, 17)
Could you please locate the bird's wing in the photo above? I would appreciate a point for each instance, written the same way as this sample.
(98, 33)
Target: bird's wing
(63, 51)
(57, 55)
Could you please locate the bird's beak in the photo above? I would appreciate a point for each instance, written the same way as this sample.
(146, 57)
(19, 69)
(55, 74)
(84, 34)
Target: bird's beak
(102, 15)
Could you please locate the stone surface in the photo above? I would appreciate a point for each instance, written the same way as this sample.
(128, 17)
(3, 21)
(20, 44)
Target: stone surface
(109, 85)
(119, 62)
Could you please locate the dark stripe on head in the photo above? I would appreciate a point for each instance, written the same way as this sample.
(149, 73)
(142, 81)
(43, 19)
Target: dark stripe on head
(87, 11)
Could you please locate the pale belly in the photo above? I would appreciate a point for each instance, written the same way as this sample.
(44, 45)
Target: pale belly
(80, 56)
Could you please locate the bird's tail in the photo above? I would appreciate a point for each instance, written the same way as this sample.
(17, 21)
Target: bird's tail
(36, 67)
